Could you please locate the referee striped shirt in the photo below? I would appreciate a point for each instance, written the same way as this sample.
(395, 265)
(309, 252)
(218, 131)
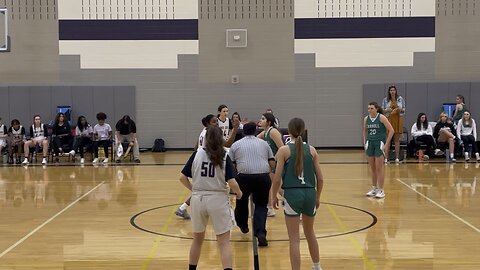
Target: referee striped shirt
(251, 155)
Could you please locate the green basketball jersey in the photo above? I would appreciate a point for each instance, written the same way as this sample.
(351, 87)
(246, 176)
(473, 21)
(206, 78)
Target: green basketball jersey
(376, 130)
(270, 141)
(307, 179)
(460, 113)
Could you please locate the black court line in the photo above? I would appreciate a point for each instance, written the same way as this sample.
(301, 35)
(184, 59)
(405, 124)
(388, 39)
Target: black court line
(374, 221)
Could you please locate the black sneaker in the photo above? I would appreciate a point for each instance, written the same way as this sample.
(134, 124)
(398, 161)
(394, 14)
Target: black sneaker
(244, 230)
(137, 160)
(262, 240)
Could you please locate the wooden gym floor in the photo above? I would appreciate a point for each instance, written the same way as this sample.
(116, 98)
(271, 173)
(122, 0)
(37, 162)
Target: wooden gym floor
(122, 217)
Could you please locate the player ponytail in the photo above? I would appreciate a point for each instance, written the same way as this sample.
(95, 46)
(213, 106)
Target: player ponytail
(296, 128)
(214, 145)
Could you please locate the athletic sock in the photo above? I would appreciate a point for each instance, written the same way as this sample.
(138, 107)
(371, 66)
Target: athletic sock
(192, 267)
(316, 266)
(183, 206)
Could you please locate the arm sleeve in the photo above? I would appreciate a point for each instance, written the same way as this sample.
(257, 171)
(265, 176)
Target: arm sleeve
(459, 127)
(436, 131)
(384, 104)
(401, 103)
(474, 126)
(229, 171)
(452, 128)
(187, 170)
(429, 130)
(5, 131)
(31, 132)
(414, 131)
(10, 130)
(230, 124)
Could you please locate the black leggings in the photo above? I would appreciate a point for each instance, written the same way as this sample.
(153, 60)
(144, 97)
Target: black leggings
(80, 143)
(104, 143)
(467, 141)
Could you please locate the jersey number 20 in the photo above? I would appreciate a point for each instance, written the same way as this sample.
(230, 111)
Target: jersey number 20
(207, 169)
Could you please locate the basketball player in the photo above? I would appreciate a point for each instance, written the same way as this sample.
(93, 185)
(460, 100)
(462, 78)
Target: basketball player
(273, 137)
(224, 122)
(3, 136)
(17, 134)
(302, 184)
(377, 142)
(39, 136)
(211, 169)
(209, 120)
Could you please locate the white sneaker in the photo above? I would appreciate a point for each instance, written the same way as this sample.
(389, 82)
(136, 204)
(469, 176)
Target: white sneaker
(438, 152)
(380, 194)
(386, 161)
(426, 157)
(82, 160)
(95, 160)
(25, 161)
(478, 156)
(105, 160)
(271, 212)
(467, 157)
(372, 192)
(72, 153)
(44, 161)
(397, 161)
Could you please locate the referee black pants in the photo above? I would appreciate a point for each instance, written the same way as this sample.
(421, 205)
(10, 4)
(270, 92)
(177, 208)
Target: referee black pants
(259, 186)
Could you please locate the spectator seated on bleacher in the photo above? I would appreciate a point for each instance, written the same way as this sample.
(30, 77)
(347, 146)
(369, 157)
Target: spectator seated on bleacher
(445, 135)
(83, 138)
(16, 140)
(62, 136)
(467, 130)
(422, 134)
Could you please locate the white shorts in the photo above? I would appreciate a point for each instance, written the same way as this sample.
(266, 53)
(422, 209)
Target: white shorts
(214, 206)
(38, 140)
(3, 142)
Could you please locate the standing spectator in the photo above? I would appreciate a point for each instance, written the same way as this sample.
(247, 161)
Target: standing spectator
(17, 137)
(84, 133)
(102, 136)
(460, 108)
(422, 133)
(255, 161)
(126, 131)
(376, 141)
(38, 136)
(394, 108)
(302, 183)
(277, 122)
(62, 135)
(445, 133)
(211, 169)
(467, 130)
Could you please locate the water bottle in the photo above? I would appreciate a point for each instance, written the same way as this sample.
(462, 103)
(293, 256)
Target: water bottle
(420, 155)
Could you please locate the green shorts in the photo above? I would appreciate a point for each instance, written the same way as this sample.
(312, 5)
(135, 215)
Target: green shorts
(298, 201)
(375, 148)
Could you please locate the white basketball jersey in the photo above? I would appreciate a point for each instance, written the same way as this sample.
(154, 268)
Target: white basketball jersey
(2, 130)
(17, 134)
(225, 127)
(201, 138)
(38, 131)
(207, 178)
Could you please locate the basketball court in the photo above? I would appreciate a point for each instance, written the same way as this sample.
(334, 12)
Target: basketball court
(122, 217)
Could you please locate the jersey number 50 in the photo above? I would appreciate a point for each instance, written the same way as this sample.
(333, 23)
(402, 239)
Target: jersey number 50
(207, 169)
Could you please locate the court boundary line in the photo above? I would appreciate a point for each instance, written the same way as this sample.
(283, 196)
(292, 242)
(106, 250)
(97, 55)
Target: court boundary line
(440, 206)
(47, 221)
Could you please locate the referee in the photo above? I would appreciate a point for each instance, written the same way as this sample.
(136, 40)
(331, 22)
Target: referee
(254, 160)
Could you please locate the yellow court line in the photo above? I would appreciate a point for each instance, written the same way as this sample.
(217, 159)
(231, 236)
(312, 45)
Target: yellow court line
(354, 242)
(164, 229)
